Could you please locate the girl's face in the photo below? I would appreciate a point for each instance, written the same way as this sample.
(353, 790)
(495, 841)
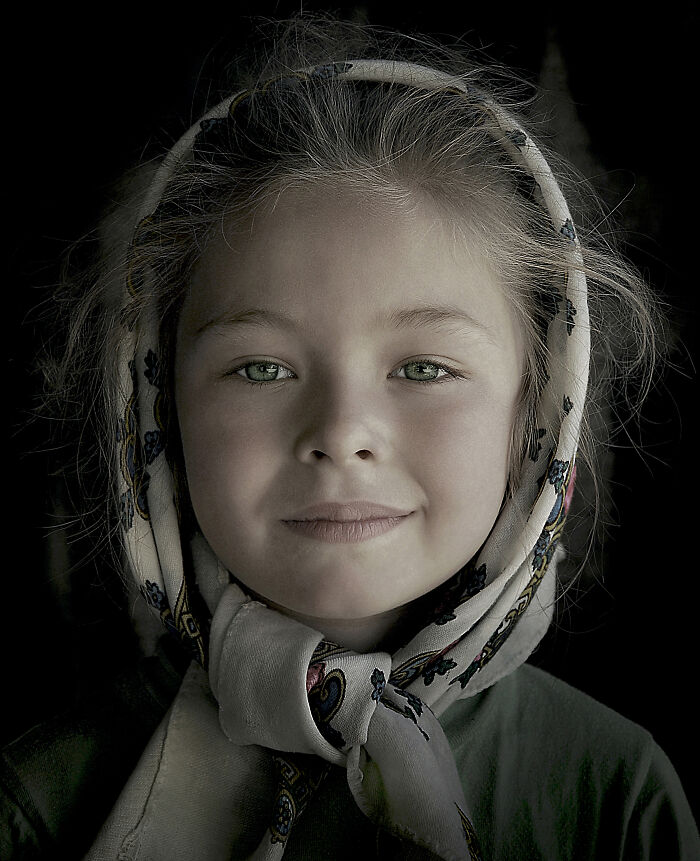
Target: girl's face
(334, 354)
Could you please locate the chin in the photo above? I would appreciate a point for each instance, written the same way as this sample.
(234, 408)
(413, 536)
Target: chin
(340, 611)
(336, 589)
(338, 607)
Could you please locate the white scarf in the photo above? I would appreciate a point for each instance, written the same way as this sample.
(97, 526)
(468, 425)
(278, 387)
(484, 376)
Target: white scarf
(280, 689)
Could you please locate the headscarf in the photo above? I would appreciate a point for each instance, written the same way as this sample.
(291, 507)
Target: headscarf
(307, 703)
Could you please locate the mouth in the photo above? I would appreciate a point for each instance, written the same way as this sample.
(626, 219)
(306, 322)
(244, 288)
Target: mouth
(349, 531)
(345, 512)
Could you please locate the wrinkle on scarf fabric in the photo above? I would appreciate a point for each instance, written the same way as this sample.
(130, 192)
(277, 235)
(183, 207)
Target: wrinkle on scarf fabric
(285, 697)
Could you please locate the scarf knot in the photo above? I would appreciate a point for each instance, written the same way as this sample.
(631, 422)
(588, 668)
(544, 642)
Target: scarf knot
(281, 686)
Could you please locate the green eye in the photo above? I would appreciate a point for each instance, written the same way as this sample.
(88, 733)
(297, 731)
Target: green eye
(426, 371)
(421, 372)
(260, 372)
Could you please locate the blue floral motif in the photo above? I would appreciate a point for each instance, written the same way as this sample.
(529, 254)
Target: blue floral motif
(543, 551)
(556, 510)
(331, 70)
(462, 586)
(155, 595)
(439, 668)
(517, 137)
(416, 703)
(557, 472)
(466, 675)
(212, 123)
(153, 445)
(156, 598)
(152, 372)
(378, 683)
(567, 230)
(405, 711)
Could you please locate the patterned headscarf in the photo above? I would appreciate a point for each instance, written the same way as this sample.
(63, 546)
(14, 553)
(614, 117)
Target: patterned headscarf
(278, 683)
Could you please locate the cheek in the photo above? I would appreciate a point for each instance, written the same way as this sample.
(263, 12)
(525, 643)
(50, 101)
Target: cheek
(463, 452)
(230, 455)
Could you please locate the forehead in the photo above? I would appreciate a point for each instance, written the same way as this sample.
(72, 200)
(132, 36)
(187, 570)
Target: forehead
(332, 259)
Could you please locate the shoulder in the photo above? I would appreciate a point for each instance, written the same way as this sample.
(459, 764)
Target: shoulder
(553, 709)
(59, 780)
(540, 712)
(546, 763)
(531, 718)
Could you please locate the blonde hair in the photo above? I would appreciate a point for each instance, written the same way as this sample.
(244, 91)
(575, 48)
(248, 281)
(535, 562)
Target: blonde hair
(391, 144)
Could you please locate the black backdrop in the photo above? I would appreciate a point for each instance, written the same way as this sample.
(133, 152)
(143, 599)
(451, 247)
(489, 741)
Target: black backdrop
(84, 97)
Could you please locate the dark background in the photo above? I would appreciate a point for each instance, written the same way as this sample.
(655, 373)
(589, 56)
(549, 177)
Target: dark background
(87, 96)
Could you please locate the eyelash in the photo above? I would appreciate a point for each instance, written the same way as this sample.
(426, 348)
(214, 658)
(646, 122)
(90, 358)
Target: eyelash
(451, 373)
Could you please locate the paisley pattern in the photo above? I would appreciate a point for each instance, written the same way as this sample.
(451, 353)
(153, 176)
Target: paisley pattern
(407, 671)
(369, 712)
(295, 786)
(325, 698)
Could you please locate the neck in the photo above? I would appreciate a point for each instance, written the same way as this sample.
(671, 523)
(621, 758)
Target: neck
(382, 632)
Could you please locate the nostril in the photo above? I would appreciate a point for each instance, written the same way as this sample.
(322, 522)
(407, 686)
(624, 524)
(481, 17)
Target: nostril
(363, 453)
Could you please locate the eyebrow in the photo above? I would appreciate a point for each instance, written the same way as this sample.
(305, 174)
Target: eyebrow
(421, 316)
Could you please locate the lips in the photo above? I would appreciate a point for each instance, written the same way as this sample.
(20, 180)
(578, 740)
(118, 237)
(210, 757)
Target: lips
(345, 512)
(346, 522)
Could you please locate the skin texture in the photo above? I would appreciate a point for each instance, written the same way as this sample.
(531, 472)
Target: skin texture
(346, 417)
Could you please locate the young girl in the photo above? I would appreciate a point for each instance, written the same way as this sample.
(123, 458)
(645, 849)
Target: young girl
(352, 337)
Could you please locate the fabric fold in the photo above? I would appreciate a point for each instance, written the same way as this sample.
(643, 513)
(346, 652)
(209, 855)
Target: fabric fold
(279, 685)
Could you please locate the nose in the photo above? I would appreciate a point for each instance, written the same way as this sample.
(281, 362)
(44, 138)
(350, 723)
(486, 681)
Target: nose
(342, 425)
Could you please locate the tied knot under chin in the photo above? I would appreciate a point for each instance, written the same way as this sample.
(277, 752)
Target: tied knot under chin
(280, 685)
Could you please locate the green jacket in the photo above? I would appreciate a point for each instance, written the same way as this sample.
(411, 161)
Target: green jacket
(548, 773)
